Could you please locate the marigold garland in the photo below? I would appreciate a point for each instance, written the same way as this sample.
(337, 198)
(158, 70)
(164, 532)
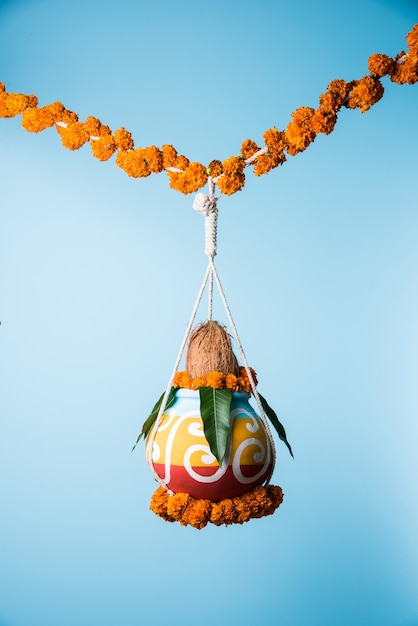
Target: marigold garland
(183, 508)
(216, 380)
(188, 177)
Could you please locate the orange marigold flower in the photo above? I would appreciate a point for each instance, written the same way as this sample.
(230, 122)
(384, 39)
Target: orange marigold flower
(242, 511)
(154, 159)
(103, 148)
(412, 39)
(365, 93)
(123, 139)
(216, 380)
(133, 163)
(169, 155)
(196, 513)
(275, 143)
(233, 177)
(233, 165)
(339, 89)
(175, 181)
(73, 136)
(158, 504)
(299, 133)
(176, 504)
(297, 139)
(36, 120)
(267, 162)
(191, 179)
(200, 381)
(181, 162)
(95, 128)
(243, 384)
(328, 103)
(231, 382)
(195, 177)
(4, 111)
(215, 168)
(12, 104)
(258, 502)
(381, 65)
(16, 103)
(406, 72)
(68, 117)
(32, 101)
(183, 379)
(104, 130)
(244, 374)
(274, 140)
(302, 117)
(92, 125)
(56, 110)
(275, 494)
(223, 512)
(323, 121)
(2, 87)
(231, 184)
(248, 148)
(160, 495)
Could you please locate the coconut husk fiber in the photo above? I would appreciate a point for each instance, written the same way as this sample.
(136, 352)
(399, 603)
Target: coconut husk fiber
(210, 350)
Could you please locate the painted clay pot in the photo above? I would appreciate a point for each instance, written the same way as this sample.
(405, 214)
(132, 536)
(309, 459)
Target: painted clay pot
(182, 459)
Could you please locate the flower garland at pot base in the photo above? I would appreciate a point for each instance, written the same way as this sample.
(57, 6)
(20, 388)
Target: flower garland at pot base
(182, 508)
(211, 453)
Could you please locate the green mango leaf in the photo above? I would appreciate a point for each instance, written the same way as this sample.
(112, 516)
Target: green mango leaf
(275, 421)
(215, 409)
(149, 422)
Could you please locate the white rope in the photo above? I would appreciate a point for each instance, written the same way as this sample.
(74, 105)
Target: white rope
(176, 170)
(159, 418)
(210, 296)
(247, 367)
(207, 206)
(255, 156)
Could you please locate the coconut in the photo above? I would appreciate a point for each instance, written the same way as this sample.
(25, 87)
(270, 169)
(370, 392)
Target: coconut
(210, 350)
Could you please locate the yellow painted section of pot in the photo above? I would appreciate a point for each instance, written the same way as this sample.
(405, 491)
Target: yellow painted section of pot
(188, 429)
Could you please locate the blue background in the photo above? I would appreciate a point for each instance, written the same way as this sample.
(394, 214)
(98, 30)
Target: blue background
(98, 276)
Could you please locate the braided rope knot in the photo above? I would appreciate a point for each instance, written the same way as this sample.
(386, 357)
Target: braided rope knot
(204, 204)
(207, 206)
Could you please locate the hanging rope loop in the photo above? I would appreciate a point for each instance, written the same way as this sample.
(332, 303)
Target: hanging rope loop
(207, 206)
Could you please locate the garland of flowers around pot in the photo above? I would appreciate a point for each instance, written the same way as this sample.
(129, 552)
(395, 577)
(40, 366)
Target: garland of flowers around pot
(188, 177)
(216, 390)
